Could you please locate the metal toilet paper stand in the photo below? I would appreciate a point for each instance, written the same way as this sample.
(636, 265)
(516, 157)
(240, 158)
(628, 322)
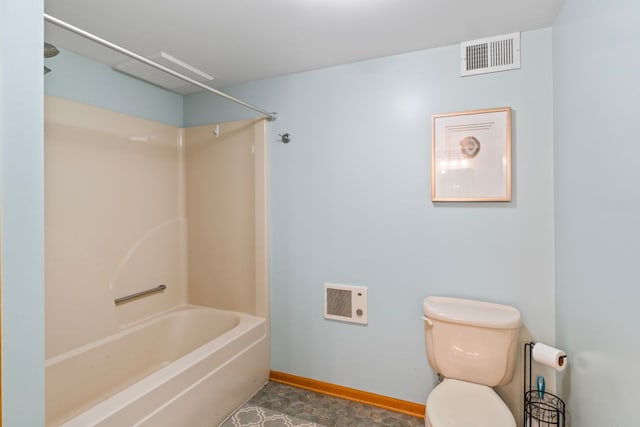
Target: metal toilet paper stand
(549, 409)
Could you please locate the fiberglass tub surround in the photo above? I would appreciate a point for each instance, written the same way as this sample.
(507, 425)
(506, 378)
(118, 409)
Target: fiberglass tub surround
(128, 208)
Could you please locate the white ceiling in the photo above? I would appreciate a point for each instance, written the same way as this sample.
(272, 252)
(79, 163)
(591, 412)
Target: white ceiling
(238, 41)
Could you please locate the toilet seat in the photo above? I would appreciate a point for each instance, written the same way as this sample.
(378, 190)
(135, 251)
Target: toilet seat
(455, 403)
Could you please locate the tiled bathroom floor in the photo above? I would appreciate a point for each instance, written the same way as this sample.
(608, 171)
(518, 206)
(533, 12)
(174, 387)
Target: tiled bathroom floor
(326, 410)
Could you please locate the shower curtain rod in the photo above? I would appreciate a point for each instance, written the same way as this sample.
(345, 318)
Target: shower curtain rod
(55, 21)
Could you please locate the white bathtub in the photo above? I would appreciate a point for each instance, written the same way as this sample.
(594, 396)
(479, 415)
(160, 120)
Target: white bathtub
(191, 366)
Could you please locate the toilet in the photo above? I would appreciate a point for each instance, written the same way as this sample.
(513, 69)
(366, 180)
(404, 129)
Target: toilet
(473, 346)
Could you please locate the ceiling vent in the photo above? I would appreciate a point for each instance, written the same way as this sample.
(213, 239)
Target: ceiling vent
(489, 55)
(154, 76)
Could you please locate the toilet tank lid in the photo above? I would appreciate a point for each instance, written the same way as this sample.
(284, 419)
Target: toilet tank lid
(470, 312)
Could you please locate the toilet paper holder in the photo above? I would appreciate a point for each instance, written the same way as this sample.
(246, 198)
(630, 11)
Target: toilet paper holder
(548, 408)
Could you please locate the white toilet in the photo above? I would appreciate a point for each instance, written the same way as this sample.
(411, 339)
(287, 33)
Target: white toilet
(473, 345)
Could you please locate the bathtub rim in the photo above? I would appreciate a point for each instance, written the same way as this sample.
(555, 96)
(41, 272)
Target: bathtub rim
(128, 328)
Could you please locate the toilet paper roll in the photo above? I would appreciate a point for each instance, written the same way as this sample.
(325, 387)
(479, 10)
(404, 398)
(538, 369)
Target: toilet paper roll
(550, 356)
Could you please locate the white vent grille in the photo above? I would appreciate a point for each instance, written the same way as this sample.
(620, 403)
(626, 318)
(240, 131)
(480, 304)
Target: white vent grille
(345, 303)
(144, 72)
(489, 55)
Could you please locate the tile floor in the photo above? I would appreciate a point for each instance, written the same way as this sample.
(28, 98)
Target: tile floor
(326, 410)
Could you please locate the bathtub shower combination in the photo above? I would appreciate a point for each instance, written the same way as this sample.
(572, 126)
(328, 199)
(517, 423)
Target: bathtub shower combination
(133, 205)
(156, 261)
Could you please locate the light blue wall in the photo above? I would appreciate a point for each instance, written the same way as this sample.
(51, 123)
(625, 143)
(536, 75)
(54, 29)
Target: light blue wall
(596, 69)
(22, 194)
(350, 203)
(80, 79)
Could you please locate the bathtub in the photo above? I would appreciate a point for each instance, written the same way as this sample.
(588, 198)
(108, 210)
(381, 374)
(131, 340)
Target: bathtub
(191, 366)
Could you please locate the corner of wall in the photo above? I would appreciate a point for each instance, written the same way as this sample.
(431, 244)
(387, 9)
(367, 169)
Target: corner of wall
(21, 136)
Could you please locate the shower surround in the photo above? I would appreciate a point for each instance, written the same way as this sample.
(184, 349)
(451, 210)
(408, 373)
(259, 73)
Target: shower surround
(131, 204)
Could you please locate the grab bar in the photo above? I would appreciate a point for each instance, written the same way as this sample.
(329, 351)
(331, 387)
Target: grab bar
(139, 294)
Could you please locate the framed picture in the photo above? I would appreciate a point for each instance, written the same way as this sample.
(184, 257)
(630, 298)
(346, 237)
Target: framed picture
(471, 156)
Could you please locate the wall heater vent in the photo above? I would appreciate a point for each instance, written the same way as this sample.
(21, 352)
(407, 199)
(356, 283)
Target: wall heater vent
(345, 303)
(489, 55)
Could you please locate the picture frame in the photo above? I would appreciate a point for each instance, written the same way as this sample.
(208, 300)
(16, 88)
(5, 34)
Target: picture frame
(471, 156)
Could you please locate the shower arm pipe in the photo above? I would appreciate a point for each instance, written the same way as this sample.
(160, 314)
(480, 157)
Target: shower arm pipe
(271, 116)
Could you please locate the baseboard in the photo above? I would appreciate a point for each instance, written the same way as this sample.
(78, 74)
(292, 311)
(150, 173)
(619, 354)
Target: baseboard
(390, 403)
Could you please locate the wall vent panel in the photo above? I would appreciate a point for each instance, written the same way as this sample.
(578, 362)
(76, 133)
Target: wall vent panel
(489, 55)
(345, 303)
(144, 72)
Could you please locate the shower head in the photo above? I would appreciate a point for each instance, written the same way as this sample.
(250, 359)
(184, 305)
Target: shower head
(50, 50)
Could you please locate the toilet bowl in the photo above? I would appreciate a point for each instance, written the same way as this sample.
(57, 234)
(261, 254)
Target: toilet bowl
(473, 345)
(459, 403)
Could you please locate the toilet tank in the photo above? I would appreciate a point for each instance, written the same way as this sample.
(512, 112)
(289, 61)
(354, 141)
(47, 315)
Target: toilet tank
(470, 340)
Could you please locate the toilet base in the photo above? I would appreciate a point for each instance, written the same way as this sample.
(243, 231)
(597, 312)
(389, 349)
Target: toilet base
(426, 418)
(460, 403)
